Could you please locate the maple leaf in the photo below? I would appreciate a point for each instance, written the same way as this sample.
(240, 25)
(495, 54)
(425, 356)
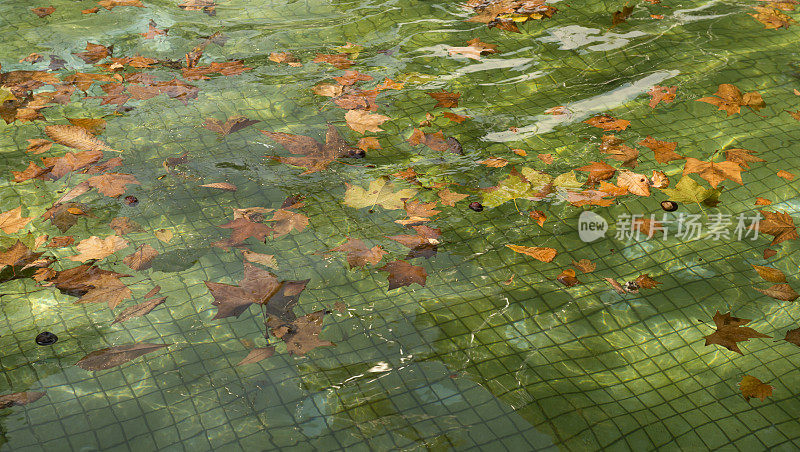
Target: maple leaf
(302, 334)
(12, 221)
(94, 53)
(380, 192)
(450, 198)
(793, 337)
(742, 156)
(285, 221)
(206, 6)
(606, 122)
(445, 99)
(43, 11)
(112, 184)
(358, 254)
(402, 273)
(753, 387)
(417, 212)
(424, 244)
(110, 4)
(613, 147)
(317, 155)
(96, 248)
(664, 151)
(78, 281)
(141, 259)
(18, 258)
(285, 57)
(435, 141)
(634, 182)
(730, 99)
(233, 124)
(687, 190)
(713, 172)
(778, 224)
(730, 331)
(362, 121)
(661, 94)
(110, 357)
(598, 171)
(106, 289)
(339, 61)
(244, 228)
(152, 31)
(771, 18)
(474, 49)
(256, 286)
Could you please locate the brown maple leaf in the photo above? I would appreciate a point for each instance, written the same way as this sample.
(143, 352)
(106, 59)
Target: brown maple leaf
(664, 151)
(43, 11)
(613, 147)
(730, 331)
(18, 261)
(418, 212)
(474, 49)
(606, 122)
(753, 387)
(402, 273)
(445, 99)
(152, 31)
(778, 224)
(793, 337)
(233, 124)
(742, 156)
(12, 221)
(317, 155)
(112, 184)
(244, 228)
(260, 287)
(300, 335)
(94, 53)
(730, 99)
(285, 221)
(358, 254)
(714, 172)
(661, 94)
(424, 244)
(598, 171)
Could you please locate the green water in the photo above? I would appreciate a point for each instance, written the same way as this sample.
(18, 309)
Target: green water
(466, 361)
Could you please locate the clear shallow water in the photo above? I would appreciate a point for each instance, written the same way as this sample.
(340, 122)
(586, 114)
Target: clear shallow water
(466, 361)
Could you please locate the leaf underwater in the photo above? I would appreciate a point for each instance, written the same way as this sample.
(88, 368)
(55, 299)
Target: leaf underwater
(110, 357)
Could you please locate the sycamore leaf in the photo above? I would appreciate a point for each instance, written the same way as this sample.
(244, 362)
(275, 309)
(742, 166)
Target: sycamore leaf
(753, 387)
(435, 141)
(598, 171)
(730, 330)
(450, 198)
(139, 310)
(267, 260)
(141, 259)
(359, 255)
(20, 398)
(106, 289)
(664, 151)
(243, 228)
(424, 244)
(362, 121)
(107, 358)
(714, 172)
(301, 335)
(606, 122)
(402, 273)
(112, 184)
(634, 182)
(782, 292)
(257, 354)
(96, 248)
(688, 191)
(12, 221)
(317, 155)
(380, 192)
(730, 99)
(742, 156)
(233, 124)
(778, 224)
(771, 18)
(613, 147)
(539, 253)
(793, 337)
(585, 265)
(445, 99)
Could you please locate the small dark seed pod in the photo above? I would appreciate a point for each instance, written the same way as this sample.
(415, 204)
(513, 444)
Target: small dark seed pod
(669, 206)
(131, 200)
(356, 154)
(46, 338)
(476, 206)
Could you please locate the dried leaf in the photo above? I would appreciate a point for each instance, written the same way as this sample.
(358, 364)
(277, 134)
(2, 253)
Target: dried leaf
(539, 253)
(258, 258)
(567, 278)
(112, 184)
(301, 335)
(139, 310)
(96, 248)
(606, 122)
(359, 255)
(714, 172)
(634, 182)
(141, 259)
(585, 265)
(362, 121)
(221, 186)
(730, 331)
(770, 274)
(445, 99)
(380, 193)
(107, 358)
(781, 225)
(256, 355)
(753, 387)
(402, 273)
(233, 124)
(782, 292)
(12, 221)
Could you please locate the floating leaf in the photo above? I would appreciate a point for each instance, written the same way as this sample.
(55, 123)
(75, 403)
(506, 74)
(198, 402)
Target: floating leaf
(317, 155)
(20, 398)
(753, 387)
(402, 273)
(362, 121)
(778, 224)
(770, 274)
(359, 255)
(539, 253)
(110, 357)
(474, 49)
(75, 137)
(12, 221)
(258, 258)
(142, 258)
(730, 330)
(445, 99)
(256, 355)
(96, 248)
(714, 172)
(661, 94)
(687, 190)
(730, 99)
(606, 122)
(139, 310)
(380, 192)
(783, 292)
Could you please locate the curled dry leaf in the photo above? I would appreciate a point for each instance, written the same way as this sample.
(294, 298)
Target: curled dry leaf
(567, 278)
(540, 253)
(753, 387)
(659, 180)
(110, 357)
(616, 286)
(221, 186)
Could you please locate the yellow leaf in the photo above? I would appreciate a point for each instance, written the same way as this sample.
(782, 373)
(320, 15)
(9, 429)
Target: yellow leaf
(96, 248)
(540, 253)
